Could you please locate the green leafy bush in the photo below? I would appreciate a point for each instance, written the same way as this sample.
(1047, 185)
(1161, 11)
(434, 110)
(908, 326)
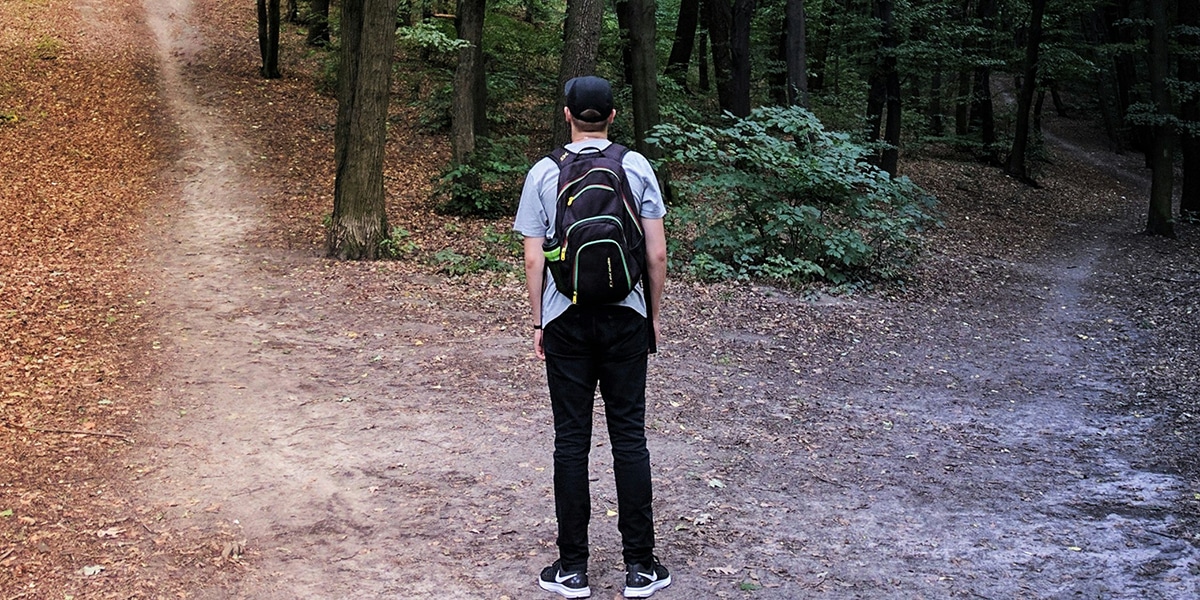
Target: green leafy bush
(777, 196)
(398, 244)
(489, 185)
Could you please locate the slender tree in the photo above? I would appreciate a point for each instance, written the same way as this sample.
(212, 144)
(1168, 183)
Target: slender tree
(1189, 108)
(1162, 158)
(795, 53)
(644, 72)
(268, 37)
(739, 47)
(719, 15)
(317, 20)
(469, 120)
(982, 113)
(883, 96)
(359, 221)
(1017, 157)
(685, 41)
(581, 46)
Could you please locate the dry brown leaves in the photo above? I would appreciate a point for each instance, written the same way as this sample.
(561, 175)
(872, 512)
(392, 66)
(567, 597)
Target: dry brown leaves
(77, 160)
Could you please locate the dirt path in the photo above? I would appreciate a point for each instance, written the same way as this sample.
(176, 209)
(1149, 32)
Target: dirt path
(366, 440)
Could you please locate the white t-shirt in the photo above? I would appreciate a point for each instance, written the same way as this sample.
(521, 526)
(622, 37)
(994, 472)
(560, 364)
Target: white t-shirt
(538, 207)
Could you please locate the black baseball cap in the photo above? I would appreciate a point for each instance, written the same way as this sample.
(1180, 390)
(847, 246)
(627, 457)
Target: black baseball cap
(589, 93)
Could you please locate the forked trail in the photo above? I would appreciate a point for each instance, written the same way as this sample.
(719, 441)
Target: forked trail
(373, 442)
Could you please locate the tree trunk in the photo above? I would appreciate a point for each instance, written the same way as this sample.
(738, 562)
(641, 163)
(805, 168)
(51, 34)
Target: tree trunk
(581, 46)
(890, 159)
(470, 83)
(739, 46)
(1160, 220)
(1017, 157)
(720, 24)
(962, 104)
(685, 41)
(796, 53)
(1059, 106)
(883, 94)
(981, 100)
(1189, 110)
(702, 62)
(292, 13)
(935, 116)
(644, 70)
(318, 23)
(1096, 35)
(268, 37)
(359, 221)
(1119, 16)
(624, 8)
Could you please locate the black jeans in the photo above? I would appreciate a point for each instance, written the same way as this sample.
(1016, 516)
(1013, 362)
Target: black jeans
(586, 346)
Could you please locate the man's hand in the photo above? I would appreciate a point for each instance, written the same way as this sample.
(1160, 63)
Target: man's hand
(537, 345)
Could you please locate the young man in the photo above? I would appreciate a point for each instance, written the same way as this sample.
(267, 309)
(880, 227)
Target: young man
(588, 345)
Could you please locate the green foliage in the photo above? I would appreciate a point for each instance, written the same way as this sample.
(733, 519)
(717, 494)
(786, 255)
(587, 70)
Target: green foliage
(330, 62)
(399, 244)
(430, 36)
(777, 196)
(489, 184)
(452, 263)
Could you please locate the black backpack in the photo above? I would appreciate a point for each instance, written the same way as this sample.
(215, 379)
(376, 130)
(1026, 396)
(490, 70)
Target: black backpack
(598, 253)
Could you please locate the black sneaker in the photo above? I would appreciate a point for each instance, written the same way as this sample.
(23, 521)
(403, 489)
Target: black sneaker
(572, 584)
(641, 581)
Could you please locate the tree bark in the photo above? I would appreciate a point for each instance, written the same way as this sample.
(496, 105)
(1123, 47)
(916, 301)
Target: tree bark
(1160, 220)
(796, 53)
(470, 83)
(644, 70)
(982, 113)
(685, 42)
(581, 46)
(1096, 34)
(359, 221)
(739, 46)
(318, 23)
(962, 104)
(1117, 15)
(890, 159)
(268, 37)
(935, 116)
(1189, 111)
(720, 23)
(883, 96)
(1017, 166)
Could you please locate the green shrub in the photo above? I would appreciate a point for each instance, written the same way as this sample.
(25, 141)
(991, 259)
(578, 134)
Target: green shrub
(489, 185)
(398, 244)
(777, 196)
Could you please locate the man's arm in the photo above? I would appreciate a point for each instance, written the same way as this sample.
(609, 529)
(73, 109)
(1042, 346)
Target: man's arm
(656, 263)
(535, 273)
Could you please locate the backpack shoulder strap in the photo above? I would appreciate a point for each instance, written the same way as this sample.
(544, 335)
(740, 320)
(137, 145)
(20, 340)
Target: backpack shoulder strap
(616, 151)
(562, 156)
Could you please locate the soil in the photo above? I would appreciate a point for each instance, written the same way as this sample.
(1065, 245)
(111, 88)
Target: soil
(1017, 420)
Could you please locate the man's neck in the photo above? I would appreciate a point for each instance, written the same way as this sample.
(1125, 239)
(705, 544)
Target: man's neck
(583, 136)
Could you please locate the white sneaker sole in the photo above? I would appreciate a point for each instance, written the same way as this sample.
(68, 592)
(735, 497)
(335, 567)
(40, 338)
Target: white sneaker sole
(646, 592)
(565, 591)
